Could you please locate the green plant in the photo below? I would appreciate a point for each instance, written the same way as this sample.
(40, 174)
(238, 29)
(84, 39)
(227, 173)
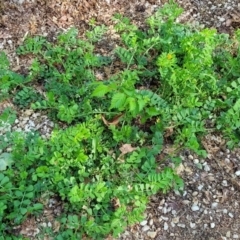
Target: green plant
(177, 83)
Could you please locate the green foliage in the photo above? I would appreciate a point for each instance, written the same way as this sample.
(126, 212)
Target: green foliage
(8, 79)
(177, 83)
(24, 97)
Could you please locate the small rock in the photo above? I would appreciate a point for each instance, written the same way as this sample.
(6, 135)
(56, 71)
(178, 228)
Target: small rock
(224, 183)
(214, 205)
(175, 220)
(174, 212)
(206, 168)
(164, 218)
(237, 173)
(150, 222)
(28, 112)
(44, 224)
(162, 202)
(225, 210)
(165, 227)
(185, 202)
(181, 225)
(49, 224)
(196, 161)
(143, 223)
(221, 19)
(190, 157)
(235, 236)
(145, 228)
(192, 225)
(212, 225)
(195, 193)
(228, 234)
(173, 224)
(152, 234)
(230, 215)
(195, 208)
(200, 187)
(164, 210)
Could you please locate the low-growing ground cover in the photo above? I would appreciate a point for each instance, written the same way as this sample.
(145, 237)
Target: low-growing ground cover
(176, 83)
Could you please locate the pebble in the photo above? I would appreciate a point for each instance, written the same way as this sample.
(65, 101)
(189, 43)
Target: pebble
(174, 212)
(152, 234)
(175, 220)
(228, 234)
(151, 222)
(195, 208)
(212, 225)
(207, 168)
(224, 183)
(190, 157)
(225, 210)
(195, 193)
(237, 173)
(44, 224)
(200, 187)
(214, 205)
(165, 226)
(164, 210)
(192, 225)
(235, 236)
(230, 215)
(196, 161)
(181, 225)
(143, 223)
(221, 19)
(145, 228)
(185, 202)
(164, 218)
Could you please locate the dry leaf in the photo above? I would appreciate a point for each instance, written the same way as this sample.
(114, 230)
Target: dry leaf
(113, 121)
(126, 148)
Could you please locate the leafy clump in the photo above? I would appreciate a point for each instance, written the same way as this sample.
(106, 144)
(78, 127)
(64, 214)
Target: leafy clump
(176, 83)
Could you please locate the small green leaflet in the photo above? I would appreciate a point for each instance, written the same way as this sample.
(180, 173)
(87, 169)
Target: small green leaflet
(118, 100)
(5, 161)
(100, 90)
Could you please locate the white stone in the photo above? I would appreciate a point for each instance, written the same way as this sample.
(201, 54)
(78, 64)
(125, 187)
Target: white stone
(165, 227)
(230, 215)
(164, 218)
(143, 223)
(214, 204)
(224, 183)
(207, 168)
(181, 225)
(195, 208)
(237, 173)
(192, 225)
(175, 220)
(225, 210)
(235, 236)
(150, 222)
(174, 212)
(212, 225)
(145, 228)
(196, 161)
(152, 234)
(228, 234)
(221, 19)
